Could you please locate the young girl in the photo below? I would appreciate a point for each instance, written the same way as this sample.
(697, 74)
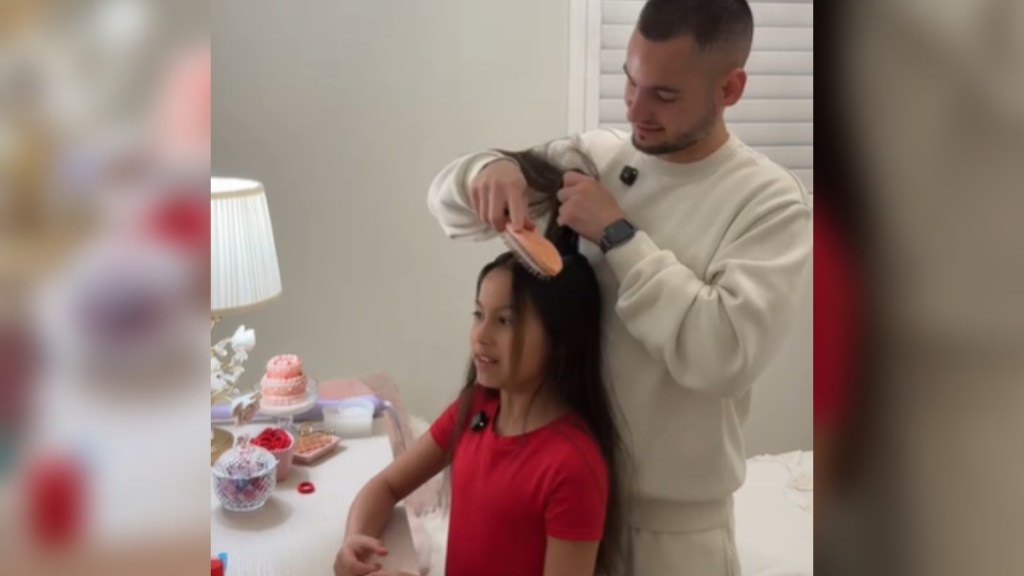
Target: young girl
(531, 440)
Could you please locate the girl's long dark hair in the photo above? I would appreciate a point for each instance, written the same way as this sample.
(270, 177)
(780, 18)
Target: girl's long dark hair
(569, 308)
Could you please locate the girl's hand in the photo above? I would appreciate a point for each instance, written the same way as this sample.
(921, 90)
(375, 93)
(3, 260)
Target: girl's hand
(352, 559)
(392, 573)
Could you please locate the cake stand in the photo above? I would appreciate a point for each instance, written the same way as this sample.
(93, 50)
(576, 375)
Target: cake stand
(285, 415)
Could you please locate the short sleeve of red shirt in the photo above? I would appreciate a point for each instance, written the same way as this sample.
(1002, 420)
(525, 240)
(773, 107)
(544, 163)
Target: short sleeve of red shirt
(578, 495)
(442, 428)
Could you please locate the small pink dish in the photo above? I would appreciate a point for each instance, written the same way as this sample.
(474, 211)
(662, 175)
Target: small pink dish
(312, 447)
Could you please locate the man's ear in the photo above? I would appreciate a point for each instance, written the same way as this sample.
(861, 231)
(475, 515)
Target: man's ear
(733, 86)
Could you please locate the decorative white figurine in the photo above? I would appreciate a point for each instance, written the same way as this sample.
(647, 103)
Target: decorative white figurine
(245, 407)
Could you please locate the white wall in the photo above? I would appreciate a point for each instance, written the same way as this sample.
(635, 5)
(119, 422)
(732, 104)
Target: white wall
(346, 110)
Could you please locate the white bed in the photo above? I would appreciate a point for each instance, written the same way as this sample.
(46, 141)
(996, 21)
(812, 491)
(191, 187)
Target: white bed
(774, 517)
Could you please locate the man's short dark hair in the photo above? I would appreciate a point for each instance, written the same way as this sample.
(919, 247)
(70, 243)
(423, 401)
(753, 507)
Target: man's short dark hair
(725, 26)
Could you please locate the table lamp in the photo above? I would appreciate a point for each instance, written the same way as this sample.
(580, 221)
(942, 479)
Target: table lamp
(244, 273)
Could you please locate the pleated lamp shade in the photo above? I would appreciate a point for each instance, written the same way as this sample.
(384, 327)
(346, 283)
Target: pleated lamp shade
(243, 257)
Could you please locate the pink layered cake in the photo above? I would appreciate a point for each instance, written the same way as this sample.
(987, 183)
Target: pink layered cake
(284, 384)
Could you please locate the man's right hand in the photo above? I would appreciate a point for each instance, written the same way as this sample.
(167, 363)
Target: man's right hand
(352, 559)
(498, 196)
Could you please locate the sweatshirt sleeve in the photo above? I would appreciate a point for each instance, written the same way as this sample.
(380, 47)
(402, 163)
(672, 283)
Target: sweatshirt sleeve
(717, 336)
(449, 196)
(449, 200)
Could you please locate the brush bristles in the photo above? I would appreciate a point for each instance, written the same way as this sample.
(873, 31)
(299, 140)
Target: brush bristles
(523, 256)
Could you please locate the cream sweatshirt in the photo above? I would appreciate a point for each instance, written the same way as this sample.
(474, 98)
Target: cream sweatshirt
(696, 305)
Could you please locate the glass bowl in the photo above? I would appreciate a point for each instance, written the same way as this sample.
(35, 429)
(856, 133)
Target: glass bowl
(244, 477)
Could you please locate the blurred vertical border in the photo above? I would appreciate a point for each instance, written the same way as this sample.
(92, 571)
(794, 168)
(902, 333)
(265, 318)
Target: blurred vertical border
(104, 267)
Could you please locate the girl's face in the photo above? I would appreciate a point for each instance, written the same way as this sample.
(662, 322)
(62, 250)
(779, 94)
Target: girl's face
(493, 335)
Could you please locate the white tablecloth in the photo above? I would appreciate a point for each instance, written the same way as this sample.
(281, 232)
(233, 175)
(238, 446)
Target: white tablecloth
(299, 534)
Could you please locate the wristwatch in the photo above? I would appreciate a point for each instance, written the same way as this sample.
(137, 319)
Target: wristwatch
(616, 234)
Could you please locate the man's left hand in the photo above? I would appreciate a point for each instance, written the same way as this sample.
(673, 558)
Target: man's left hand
(587, 206)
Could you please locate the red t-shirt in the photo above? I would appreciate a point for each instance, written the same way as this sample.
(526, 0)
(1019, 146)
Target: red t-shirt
(510, 493)
(837, 328)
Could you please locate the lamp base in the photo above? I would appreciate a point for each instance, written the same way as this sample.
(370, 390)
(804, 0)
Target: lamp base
(220, 442)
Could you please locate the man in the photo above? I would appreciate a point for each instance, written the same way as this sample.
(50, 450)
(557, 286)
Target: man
(700, 245)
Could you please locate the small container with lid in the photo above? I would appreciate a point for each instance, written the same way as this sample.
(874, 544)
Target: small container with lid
(351, 418)
(244, 476)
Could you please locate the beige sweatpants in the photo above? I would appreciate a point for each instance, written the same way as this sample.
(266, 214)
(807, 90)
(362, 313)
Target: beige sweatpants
(709, 552)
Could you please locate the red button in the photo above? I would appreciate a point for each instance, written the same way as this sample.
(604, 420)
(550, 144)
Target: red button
(306, 488)
(216, 567)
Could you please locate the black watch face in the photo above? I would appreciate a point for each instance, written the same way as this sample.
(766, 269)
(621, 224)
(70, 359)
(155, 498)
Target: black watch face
(617, 232)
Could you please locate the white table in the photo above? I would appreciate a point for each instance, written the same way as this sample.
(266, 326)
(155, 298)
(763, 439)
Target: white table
(297, 534)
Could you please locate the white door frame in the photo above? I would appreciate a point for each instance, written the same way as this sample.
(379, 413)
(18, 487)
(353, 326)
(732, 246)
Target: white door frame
(584, 65)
